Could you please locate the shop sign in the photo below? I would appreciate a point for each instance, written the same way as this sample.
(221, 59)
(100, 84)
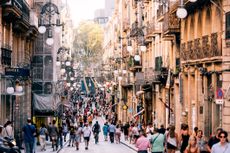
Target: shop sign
(17, 72)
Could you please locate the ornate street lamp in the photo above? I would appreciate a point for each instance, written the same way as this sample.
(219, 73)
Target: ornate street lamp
(47, 12)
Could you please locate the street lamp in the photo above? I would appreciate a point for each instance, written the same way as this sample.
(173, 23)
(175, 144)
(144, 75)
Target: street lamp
(181, 11)
(49, 10)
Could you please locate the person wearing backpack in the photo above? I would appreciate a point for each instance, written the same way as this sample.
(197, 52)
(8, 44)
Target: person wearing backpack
(157, 141)
(42, 137)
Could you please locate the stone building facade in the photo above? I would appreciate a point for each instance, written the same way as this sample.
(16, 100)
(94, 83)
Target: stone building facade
(18, 33)
(183, 76)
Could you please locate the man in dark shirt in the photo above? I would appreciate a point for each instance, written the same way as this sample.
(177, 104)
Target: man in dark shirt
(29, 132)
(162, 129)
(214, 139)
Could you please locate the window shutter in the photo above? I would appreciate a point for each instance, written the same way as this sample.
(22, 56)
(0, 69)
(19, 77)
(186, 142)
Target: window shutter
(228, 25)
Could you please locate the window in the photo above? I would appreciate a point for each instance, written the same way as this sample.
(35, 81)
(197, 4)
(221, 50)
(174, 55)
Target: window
(158, 63)
(227, 26)
(37, 87)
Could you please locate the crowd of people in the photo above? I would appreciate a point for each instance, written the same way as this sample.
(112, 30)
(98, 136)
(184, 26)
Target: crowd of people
(150, 139)
(147, 138)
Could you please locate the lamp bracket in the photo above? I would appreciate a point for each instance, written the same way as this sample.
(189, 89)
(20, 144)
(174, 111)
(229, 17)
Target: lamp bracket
(50, 8)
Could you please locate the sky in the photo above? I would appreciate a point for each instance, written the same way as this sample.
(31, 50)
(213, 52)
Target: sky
(84, 9)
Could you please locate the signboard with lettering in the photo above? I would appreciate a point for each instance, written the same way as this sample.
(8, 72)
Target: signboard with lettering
(17, 72)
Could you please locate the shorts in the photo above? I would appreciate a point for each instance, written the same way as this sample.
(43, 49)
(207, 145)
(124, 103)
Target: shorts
(86, 138)
(77, 139)
(170, 146)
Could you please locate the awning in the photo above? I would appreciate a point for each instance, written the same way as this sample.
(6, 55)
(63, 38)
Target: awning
(45, 103)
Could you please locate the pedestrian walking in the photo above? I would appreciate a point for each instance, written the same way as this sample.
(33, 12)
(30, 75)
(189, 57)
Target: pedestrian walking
(96, 130)
(78, 132)
(172, 140)
(54, 135)
(201, 142)
(184, 137)
(149, 130)
(29, 132)
(142, 143)
(86, 134)
(65, 131)
(112, 130)
(126, 130)
(105, 129)
(192, 145)
(118, 133)
(162, 129)
(8, 131)
(3, 147)
(157, 141)
(60, 136)
(135, 133)
(223, 146)
(214, 139)
(42, 137)
(131, 133)
(72, 135)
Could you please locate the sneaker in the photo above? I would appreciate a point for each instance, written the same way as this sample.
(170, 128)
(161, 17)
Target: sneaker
(69, 145)
(77, 148)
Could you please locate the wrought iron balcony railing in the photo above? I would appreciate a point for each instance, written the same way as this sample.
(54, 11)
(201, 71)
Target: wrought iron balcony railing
(205, 47)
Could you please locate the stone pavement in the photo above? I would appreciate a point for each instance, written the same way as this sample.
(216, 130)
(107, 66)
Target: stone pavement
(127, 144)
(49, 147)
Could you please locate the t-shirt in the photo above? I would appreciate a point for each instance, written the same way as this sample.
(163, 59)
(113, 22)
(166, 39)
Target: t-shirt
(86, 132)
(29, 131)
(157, 142)
(213, 140)
(217, 148)
(96, 128)
(43, 131)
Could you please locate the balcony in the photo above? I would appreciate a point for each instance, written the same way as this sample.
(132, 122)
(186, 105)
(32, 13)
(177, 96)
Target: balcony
(152, 76)
(206, 47)
(6, 55)
(17, 11)
(133, 65)
(152, 28)
(160, 13)
(12, 9)
(139, 78)
(127, 81)
(171, 24)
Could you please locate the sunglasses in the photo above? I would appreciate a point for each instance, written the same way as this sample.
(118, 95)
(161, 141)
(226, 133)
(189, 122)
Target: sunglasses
(222, 136)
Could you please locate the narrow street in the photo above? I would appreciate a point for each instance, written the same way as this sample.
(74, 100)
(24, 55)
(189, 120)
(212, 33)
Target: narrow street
(102, 146)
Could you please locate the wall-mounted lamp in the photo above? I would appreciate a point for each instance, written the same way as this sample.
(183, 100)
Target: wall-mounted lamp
(181, 11)
(49, 10)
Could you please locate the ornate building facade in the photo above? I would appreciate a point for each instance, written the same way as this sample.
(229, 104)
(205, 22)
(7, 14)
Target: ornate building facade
(183, 76)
